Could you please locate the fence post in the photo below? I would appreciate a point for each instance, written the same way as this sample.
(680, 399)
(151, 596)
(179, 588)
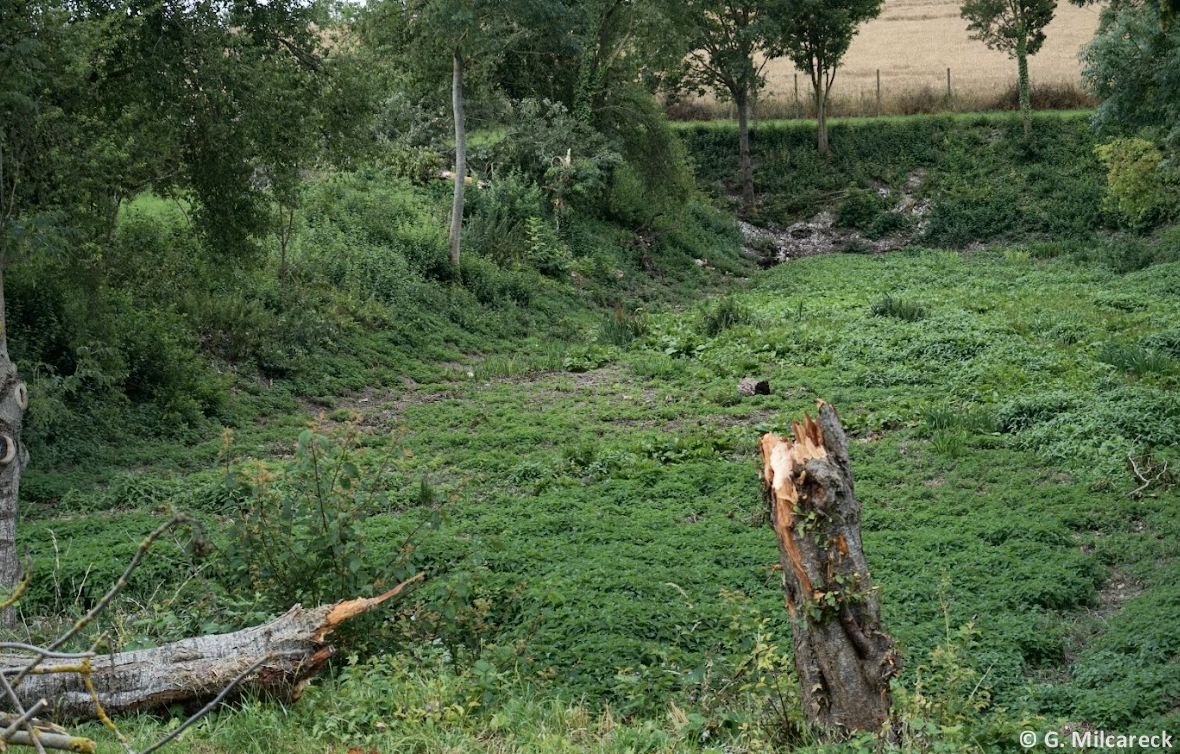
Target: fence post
(949, 93)
(878, 92)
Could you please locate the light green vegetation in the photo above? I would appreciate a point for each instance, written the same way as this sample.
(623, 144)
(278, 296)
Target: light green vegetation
(612, 510)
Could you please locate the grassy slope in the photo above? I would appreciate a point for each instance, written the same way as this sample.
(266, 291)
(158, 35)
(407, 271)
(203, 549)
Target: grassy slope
(612, 507)
(621, 502)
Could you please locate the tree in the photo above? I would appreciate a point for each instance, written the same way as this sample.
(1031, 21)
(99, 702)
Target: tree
(815, 35)
(1016, 27)
(725, 37)
(102, 101)
(457, 31)
(22, 73)
(1133, 66)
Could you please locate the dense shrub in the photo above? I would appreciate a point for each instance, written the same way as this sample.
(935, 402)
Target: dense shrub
(859, 209)
(984, 180)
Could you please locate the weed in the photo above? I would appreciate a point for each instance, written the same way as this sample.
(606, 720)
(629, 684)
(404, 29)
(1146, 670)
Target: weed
(300, 536)
(1136, 359)
(727, 313)
(620, 327)
(898, 308)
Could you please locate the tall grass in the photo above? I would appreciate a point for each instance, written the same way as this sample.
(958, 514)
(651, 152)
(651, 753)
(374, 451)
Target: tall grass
(923, 100)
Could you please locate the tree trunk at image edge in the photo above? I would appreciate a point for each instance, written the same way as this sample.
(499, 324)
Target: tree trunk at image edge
(14, 399)
(743, 107)
(1022, 67)
(843, 658)
(460, 157)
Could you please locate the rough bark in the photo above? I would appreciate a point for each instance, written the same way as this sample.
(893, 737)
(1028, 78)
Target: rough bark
(290, 649)
(460, 155)
(14, 457)
(1022, 70)
(741, 99)
(843, 658)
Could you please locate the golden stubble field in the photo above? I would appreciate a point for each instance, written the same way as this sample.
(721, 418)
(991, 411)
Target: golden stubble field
(913, 42)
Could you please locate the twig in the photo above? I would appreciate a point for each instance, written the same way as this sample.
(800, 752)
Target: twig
(122, 582)
(7, 733)
(21, 588)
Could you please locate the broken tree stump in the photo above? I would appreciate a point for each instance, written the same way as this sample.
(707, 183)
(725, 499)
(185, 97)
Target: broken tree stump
(277, 658)
(843, 658)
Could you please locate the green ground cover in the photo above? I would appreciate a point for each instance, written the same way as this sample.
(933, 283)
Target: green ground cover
(615, 512)
(601, 576)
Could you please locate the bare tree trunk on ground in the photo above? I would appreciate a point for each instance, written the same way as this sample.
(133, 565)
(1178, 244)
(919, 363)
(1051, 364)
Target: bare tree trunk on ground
(843, 657)
(285, 653)
(460, 156)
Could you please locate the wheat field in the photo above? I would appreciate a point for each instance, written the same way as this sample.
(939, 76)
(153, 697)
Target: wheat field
(913, 42)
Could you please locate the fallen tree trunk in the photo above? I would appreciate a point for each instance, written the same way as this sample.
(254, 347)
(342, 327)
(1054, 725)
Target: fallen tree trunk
(843, 658)
(277, 657)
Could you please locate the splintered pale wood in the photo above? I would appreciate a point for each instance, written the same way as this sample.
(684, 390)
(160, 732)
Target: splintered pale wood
(843, 658)
(288, 651)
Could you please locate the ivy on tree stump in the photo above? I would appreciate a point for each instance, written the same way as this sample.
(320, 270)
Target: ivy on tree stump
(844, 660)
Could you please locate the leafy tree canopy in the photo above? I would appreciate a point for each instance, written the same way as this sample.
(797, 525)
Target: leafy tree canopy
(1000, 24)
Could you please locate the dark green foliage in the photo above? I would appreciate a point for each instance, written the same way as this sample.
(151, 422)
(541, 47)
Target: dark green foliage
(984, 182)
(1132, 67)
(860, 209)
(888, 223)
(857, 246)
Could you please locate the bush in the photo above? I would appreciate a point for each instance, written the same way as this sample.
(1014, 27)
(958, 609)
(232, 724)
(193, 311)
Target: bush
(498, 227)
(860, 208)
(888, 223)
(299, 537)
(1138, 184)
(857, 246)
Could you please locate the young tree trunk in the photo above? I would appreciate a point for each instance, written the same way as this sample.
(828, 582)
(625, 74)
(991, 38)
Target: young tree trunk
(460, 156)
(843, 658)
(1022, 67)
(14, 399)
(287, 651)
(821, 116)
(741, 99)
